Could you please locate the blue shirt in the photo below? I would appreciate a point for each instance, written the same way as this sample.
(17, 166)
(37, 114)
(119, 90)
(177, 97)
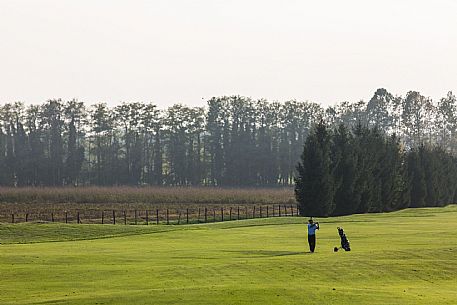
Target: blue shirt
(312, 229)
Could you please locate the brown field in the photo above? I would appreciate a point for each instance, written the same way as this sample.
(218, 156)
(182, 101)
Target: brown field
(143, 204)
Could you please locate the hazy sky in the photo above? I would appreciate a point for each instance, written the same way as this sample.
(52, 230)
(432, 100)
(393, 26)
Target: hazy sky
(184, 51)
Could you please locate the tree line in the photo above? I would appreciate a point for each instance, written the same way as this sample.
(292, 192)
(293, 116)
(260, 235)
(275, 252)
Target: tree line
(344, 171)
(232, 141)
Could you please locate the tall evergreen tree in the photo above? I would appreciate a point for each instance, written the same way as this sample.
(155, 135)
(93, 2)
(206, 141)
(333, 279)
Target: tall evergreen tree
(417, 177)
(314, 184)
(344, 171)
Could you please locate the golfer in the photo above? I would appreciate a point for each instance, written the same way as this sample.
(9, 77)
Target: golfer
(312, 227)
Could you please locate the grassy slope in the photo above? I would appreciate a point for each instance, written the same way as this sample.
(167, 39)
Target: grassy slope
(406, 257)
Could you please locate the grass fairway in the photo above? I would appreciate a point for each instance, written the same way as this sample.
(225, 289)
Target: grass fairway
(406, 257)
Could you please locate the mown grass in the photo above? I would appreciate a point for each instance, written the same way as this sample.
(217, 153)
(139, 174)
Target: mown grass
(405, 257)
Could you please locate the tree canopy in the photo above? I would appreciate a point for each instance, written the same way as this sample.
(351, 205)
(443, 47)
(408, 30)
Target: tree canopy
(233, 141)
(363, 170)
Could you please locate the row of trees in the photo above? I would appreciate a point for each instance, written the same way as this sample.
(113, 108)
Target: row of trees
(233, 141)
(344, 171)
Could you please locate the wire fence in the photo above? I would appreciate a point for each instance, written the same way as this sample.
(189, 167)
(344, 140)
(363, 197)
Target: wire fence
(169, 216)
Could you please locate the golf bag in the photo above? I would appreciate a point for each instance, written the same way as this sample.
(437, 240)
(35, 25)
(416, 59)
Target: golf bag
(344, 241)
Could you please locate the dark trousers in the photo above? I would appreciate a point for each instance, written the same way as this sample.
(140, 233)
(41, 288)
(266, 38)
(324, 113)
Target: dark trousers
(312, 242)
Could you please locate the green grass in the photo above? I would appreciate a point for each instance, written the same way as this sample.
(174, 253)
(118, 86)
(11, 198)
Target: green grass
(405, 257)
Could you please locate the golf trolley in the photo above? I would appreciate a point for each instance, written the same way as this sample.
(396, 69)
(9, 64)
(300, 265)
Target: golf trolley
(344, 241)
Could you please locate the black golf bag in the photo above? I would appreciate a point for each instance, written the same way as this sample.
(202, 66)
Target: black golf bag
(344, 241)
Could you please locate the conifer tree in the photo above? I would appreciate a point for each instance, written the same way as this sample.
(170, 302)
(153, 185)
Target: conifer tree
(345, 171)
(417, 178)
(314, 187)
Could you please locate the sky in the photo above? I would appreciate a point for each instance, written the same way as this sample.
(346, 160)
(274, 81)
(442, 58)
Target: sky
(178, 51)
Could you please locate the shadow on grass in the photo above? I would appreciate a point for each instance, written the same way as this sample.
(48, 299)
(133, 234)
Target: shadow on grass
(267, 253)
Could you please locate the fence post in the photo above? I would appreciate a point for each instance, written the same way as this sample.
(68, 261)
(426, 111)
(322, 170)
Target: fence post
(26, 217)
(187, 215)
(246, 211)
(260, 211)
(279, 208)
(77, 218)
(12, 218)
(292, 209)
(52, 217)
(206, 210)
(136, 216)
(238, 213)
(179, 217)
(214, 215)
(147, 217)
(199, 214)
(253, 213)
(267, 212)
(157, 216)
(103, 217)
(114, 217)
(222, 214)
(230, 213)
(168, 217)
(125, 218)
(66, 217)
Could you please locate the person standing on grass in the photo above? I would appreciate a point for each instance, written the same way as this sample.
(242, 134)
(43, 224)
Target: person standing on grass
(312, 227)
